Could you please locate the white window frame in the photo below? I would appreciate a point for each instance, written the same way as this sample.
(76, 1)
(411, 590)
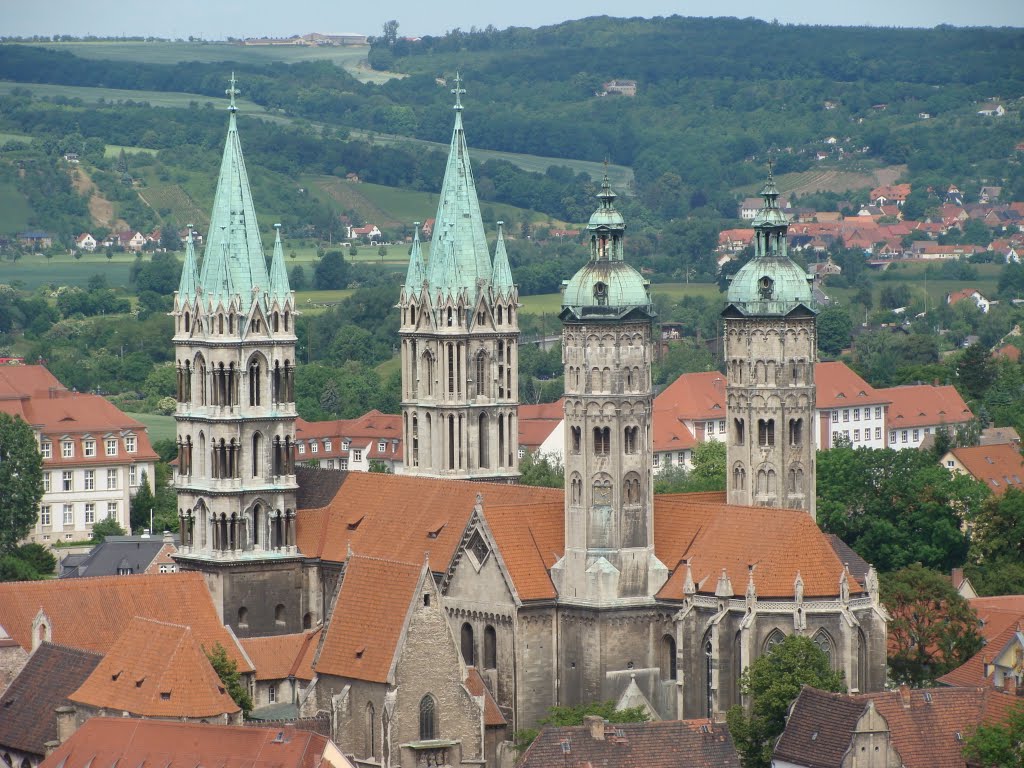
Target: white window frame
(68, 514)
(110, 446)
(835, 417)
(112, 510)
(112, 479)
(46, 449)
(45, 515)
(327, 446)
(67, 449)
(130, 443)
(302, 448)
(342, 463)
(357, 455)
(90, 513)
(313, 447)
(89, 448)
(67, 480)
(47, 481)
(382, 446)
(133, 475)
(89, 480)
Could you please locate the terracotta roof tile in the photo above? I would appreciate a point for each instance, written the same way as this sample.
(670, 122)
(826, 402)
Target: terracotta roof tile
(90, 613)
(839, 387)
(972, 671)
(106, 741)
(819, 728)
(999, 467)
(997, 613)
(279, 656)
(372, 606)
(475, 685)
(663, 744)
(696, 396)
(52, 672)
(156, 669)
(924, 405)
(530, 539)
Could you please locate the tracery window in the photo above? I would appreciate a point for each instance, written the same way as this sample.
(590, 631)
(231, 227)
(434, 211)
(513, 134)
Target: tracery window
(428, 718)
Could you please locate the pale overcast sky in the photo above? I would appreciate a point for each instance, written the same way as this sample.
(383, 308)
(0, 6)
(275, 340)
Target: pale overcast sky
(217, 19)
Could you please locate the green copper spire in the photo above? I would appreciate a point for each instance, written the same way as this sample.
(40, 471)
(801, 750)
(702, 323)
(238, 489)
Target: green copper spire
(415, 275)
(458, 223)
(501, 276)
(187, 285)
(606, 286)
(233, 262)
(770, 283)
(279, 288)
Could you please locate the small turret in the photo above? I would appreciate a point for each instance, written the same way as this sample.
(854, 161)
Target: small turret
(189, 276)
(415, 274)
(279, 288)
(501, 276)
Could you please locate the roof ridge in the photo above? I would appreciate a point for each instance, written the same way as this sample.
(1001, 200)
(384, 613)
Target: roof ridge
(387, 560)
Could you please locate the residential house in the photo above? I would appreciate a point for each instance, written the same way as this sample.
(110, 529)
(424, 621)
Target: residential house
(284, 671)
(373, 439)
(36, 240)
(749, 206)
(925, 249)
(131, 241)
(94, 457)
(969, 293)
(620, 87)
(124, 556)
(1000, 664)
(995, 614)
(917, 410)
(369, 233)
(992, 109)
(542, 430)
(110, 741)
(848, 408)
(664, 744)
(902, 728)
(990, 194)
(697, 402)
(1000, 467)
(1007, 352)
(996, 435)
(890, 194)
(85, 242)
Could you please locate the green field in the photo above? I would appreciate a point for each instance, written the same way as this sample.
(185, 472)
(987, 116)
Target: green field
(159, 427)
(34, 270)
(20, 137)
(113, 150)
(15, 212)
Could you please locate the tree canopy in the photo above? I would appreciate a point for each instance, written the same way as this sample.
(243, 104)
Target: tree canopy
(21, 481)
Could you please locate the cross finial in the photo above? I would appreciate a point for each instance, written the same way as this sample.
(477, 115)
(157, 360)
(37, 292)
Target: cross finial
(232, 92)
(458, 90)
(769, 168)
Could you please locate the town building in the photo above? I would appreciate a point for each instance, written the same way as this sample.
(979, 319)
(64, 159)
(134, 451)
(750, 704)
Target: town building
(848, 410)
(770, 351)
(124, 556)
(284, 671)
(95, 458)
(918, 410)
(1000, 467)
(374, 440)
(459, 333)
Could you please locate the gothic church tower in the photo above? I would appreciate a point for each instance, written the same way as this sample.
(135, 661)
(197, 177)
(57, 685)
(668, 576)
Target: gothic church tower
(235, 347)
(606, 349)
(770, 351)
(460, 338)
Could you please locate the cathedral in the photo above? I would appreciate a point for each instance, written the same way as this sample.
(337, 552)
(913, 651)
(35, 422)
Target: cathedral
(452, 613)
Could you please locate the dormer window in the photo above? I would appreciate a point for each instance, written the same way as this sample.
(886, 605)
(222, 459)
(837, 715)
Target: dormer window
(766, 287)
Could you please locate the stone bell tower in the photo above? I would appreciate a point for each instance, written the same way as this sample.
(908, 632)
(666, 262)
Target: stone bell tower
(460, 339)
(606, 349)
(770, 352)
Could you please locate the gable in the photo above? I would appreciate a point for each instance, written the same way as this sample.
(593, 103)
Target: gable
(477, 573)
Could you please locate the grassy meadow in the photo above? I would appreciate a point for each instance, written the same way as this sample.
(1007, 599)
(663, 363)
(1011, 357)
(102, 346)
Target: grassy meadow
(15, 212)
(158, 426)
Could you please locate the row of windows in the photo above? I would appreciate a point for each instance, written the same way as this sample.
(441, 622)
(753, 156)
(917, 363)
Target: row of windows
(856, 414)
(217, 323)
(67, 513)
(845, 434)
(357, 454)
(89, 447)
(66, 481)
(665, 459)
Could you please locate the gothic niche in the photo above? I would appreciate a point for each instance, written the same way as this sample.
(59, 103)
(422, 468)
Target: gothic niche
(634, 518)
(602, 516)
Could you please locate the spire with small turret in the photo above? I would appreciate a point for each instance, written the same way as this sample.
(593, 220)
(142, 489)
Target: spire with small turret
(415, 274)
(280, 290)
(187, 284)
(501, 275)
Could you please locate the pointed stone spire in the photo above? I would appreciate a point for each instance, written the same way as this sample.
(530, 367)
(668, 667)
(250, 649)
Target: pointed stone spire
(234, 252)
(279, 287)
(751, 594)
(501, 277)
(724, 587)
(450, 265)
(415, 275)
(689, 588)
(798, 589)
(187, 284)
(458, 220)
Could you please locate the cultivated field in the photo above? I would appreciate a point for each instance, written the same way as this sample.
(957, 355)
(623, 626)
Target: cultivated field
(171, 197)
(34, 270)
(14, 208)
(829, 180)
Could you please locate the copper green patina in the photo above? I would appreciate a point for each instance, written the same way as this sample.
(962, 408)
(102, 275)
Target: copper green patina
(770, 284)
(606, 287)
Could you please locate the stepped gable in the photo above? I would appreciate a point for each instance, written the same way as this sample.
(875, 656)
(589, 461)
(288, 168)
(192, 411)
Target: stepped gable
(372, 608)
(280, 656)
(110, 741)
(89, 613)
(156, 669)
(400, 517)
(716, 536)
(49, 676)
(663, 744)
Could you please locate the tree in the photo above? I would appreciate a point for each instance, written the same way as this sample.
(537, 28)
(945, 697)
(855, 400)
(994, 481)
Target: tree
(996, 555)
(389, 34)
(564, 716)
(108, 526)
(835, 329)
(542, 471)
(161, 275)
(21, 481)
(38, 558)
(143, 502)
(773, 682)
(331, 272)
(932, 630)
(227, 670)
(998, 745)
(976, 371)
(13, 568)
(297, 278)
(378, 466)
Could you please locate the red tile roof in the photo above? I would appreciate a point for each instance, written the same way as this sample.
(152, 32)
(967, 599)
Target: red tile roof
(839, 387)
(924, 405)
(108, 741)
(366, 430)
(972, 672)
(475, 685)
(997, 613)
(89, 613)
(1008, 352)
(694, 396)
(530, 539)
(156, 670)
(279, 656)
(373, 605)
(999, 466)
(537, 422)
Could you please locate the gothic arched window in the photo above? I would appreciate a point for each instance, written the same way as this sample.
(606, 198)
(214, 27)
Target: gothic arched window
(481, 372)
(709, 678)
(468, 646)
(428, 718)
(369, 731)
(490, 648)
(669, 669)
(824, 642)
(775, 638)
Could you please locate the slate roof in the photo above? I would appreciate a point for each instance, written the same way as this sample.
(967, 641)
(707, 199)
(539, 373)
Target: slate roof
(999, 467)
(923, 724)
(90, 613)
(858, 565)
(278, 656)
(115, 554)
(664, 744)
(51, 673)
(372, 606)
(156, 670)
(924, 405)
(106, 741)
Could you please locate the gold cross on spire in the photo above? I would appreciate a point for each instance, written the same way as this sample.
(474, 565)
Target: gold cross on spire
(232, 92)
(458, 90)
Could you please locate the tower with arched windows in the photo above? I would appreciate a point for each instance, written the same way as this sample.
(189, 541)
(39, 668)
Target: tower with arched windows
(234, 340)
(606, 350)
(460, 336)
(770, 352)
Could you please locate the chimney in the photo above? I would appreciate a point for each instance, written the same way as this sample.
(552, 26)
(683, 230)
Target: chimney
(904, 690)
(67, 724)
(596, 725)
(1010, 685)
(168, 537)
(957, 577)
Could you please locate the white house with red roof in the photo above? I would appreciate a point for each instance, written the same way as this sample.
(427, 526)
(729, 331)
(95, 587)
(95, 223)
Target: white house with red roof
(369, 232)
(85, 242)
(969, 293)
(351, 444)
(94, 456)
(916, 410)
(848, 409)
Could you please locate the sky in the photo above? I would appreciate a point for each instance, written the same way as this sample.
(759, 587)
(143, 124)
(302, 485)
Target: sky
(218, 19)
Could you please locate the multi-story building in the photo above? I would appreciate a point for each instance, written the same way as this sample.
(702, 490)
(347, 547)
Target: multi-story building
(848, 409)
(374, 440)
(94, 457)
(918, 410)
